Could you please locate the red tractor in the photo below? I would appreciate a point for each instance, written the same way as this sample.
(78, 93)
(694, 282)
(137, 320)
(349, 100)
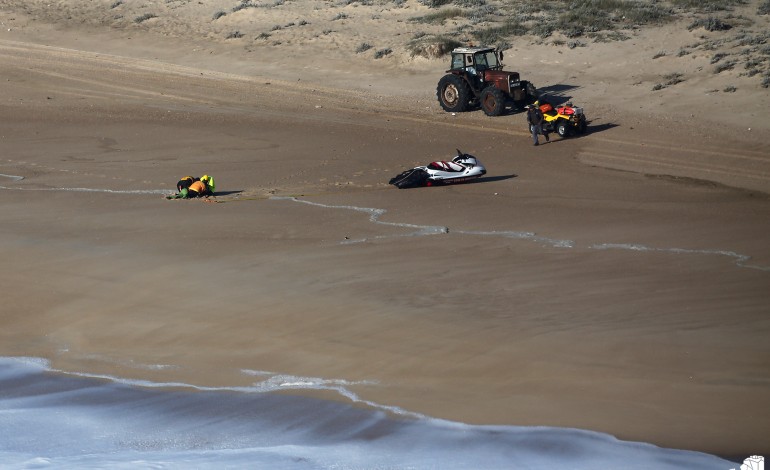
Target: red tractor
(477, 78)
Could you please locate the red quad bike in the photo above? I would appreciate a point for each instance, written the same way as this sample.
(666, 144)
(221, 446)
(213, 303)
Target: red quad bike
(564, 120)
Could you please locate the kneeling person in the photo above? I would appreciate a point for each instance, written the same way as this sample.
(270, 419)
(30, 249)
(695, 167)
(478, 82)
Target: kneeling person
(185, 182)
(209, 182)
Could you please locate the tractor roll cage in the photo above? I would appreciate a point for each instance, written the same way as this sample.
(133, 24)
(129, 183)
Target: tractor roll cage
(476, 59)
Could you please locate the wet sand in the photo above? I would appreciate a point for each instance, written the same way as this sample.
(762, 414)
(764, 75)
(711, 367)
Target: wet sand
(556, 291)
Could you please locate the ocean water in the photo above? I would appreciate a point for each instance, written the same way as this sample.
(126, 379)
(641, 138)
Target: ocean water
(51, 419)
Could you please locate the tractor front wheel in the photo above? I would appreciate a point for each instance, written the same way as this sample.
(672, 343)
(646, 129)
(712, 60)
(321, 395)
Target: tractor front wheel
(453, 93)
(492, 101)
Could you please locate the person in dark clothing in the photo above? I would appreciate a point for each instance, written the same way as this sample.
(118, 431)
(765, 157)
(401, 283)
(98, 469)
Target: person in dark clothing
(535, 119)
(185, 182)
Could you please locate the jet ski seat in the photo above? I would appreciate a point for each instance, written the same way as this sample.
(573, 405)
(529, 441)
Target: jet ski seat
(446, 166)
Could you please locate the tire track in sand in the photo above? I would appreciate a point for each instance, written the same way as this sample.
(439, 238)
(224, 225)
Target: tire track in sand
(742, 168)
(143, 79)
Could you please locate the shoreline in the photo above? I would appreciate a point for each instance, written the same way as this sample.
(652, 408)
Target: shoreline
(660, 341)
(210, 428)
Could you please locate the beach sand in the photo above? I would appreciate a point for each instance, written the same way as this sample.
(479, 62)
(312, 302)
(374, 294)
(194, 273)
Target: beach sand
(618, 282)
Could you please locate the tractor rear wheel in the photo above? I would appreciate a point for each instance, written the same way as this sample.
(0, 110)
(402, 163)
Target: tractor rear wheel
(492, 101)
(453, 93)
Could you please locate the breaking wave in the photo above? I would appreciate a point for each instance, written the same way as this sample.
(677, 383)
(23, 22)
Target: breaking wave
(51, 419)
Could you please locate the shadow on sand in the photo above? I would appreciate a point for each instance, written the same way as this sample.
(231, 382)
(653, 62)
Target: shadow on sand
(591, 129)
(556, 94)
(489, 179)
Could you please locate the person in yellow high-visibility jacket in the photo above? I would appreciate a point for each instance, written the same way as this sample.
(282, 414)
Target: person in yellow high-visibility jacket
(209, 182)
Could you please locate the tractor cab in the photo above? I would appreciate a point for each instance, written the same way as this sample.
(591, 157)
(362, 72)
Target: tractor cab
(476, 59)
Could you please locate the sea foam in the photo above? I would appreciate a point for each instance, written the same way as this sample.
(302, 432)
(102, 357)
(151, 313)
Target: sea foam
(51, 419)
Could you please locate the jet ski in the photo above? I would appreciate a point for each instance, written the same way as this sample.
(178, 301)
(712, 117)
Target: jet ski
(462, 168)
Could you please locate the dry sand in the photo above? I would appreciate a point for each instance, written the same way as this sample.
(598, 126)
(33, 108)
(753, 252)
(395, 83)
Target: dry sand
(617, 282)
